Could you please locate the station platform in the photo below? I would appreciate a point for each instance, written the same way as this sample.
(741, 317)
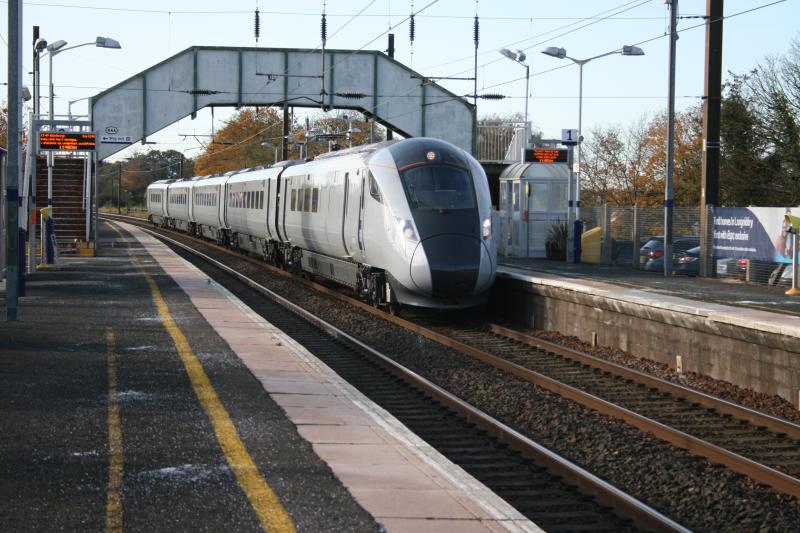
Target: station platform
(747, 335)
(709, 290)
(135, 391)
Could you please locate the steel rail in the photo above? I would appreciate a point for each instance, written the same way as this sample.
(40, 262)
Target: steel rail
(742, 465)
(625, 505)
(740, 412)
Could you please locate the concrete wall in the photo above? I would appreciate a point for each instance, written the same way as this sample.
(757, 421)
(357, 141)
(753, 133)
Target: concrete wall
(713, 340)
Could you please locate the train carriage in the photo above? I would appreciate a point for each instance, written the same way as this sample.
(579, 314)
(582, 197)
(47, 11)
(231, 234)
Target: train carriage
(157, 201)
(247, 208)
(178, 195)
(208, 209)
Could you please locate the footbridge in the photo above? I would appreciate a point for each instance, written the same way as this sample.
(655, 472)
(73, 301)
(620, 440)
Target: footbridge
(367, 81)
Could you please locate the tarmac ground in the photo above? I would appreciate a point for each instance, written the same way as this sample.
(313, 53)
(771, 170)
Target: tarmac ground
(97, 395)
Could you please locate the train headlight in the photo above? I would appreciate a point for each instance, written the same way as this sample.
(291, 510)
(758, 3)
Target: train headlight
(486, 230)
(406, 229)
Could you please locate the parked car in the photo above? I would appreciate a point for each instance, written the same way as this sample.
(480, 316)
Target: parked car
(651, 255)
(687, 262)
(750, 270)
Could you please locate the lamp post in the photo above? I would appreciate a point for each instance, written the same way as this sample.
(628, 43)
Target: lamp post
(56, 48)
(518, 56)
(561, 53)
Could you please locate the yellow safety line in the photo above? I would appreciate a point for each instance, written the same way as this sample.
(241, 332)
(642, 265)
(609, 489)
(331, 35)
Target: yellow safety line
(115, 454)
(270, 512)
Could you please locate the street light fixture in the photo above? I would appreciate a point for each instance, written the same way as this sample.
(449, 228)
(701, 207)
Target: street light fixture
(561, 53)
(56, 48)
(518, 56)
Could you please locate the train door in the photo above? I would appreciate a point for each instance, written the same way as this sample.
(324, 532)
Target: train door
(266, 190)
(353, 214)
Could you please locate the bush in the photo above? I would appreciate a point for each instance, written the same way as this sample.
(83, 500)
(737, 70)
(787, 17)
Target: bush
(556, 244)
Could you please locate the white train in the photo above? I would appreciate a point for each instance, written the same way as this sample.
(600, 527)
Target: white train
(401, 222)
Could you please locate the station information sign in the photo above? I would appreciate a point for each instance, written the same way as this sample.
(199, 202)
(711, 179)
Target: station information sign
(545, 155)
(67, 141)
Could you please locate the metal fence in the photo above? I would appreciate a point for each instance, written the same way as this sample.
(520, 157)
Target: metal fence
(625, 230)
(633, 236)
(500, 143)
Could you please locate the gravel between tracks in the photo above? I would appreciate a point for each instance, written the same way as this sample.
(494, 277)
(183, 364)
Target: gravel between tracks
(688, 489)
(766, 403)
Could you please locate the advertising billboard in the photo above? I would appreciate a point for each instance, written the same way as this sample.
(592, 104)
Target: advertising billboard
(757, 233)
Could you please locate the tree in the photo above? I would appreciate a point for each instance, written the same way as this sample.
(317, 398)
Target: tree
(628, 167)
(139, 171)
(742, 170)
(240, 143)
(333, 129)
(4, 125)
(250, 137)
(761, 134)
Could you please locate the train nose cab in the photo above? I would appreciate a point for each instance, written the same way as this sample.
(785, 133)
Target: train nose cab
(453, 260)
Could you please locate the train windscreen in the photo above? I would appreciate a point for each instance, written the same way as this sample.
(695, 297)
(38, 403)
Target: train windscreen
(438, 187)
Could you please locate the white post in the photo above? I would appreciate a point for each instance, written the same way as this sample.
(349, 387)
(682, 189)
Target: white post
(570, 211)
(527, 124)
(794, 291)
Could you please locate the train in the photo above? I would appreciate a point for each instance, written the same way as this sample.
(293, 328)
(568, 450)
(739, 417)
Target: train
(401, 222)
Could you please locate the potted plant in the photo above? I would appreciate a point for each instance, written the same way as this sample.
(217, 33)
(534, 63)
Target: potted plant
(556, 244)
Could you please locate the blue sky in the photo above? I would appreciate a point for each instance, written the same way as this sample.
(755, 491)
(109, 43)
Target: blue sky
(617, 89)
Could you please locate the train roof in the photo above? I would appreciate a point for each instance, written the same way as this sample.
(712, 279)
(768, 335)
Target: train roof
(259, 174)
(356, 150)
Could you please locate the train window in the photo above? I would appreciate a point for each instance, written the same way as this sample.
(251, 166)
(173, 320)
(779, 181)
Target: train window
(307, 201)
(438, 187)
(294, 199)
(374, 190)
(300, 199)
(314, 199)
(261, 199)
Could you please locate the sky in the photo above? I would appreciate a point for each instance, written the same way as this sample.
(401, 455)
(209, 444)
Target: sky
(617, 90)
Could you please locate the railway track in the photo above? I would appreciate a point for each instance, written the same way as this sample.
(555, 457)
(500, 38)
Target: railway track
(551, 491)
(748, 442)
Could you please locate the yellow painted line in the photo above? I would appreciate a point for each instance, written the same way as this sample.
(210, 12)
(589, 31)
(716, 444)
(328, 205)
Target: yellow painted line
(265, 503)
(115, 454)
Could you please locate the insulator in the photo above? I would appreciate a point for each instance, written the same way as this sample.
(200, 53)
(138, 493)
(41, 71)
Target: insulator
(412, 28)
(476, 33)
(352, 95)
(257, 25)
(324, 29)
(492, 96)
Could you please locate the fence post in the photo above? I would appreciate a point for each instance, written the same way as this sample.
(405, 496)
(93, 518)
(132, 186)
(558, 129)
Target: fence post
(635, 237)
(708, 268)
(607, 244)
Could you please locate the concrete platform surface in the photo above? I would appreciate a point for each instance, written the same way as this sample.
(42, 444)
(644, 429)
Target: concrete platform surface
(711, 290)
(135, 392)
(754, 307)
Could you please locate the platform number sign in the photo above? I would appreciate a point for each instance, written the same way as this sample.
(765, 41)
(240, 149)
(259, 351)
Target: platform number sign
(569, 136)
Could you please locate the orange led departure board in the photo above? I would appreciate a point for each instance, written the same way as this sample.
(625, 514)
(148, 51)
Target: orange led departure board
(67, 140)
(545, 155)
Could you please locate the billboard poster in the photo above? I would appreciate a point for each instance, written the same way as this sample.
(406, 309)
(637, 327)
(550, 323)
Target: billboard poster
(757, 233)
